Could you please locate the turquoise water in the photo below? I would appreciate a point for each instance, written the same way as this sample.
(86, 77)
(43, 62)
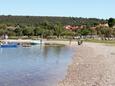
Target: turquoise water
(34, 66)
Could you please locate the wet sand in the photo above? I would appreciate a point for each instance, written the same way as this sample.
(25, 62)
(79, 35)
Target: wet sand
(93, 65)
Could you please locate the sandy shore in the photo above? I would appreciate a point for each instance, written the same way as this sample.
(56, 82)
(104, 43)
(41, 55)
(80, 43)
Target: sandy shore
(93, 65)
(72, 43)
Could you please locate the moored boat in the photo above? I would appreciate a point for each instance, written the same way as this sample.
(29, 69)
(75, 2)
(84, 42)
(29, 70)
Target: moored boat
(9, 45)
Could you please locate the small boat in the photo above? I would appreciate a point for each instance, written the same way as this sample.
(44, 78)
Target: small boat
(9, 45)
(37, 42)
(26, 45)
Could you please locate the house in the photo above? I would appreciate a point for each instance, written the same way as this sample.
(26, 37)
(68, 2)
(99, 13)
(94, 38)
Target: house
(72, 27)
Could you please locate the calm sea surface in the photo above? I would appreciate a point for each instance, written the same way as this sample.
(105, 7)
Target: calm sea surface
(34, 66)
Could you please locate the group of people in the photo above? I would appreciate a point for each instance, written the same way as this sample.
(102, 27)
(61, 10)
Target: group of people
(4, 36)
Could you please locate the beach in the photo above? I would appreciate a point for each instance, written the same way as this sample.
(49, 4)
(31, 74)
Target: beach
(93, 65)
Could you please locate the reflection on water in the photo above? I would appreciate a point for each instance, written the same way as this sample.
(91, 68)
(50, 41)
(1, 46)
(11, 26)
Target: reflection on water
(51, 49)
(34, 66)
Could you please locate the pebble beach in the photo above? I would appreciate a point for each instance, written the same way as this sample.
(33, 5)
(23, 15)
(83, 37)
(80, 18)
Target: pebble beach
(93, 65)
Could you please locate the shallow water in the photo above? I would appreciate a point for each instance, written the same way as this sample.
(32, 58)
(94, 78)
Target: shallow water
(34, 66)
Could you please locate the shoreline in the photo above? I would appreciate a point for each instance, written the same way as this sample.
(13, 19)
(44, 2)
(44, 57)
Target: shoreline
(68, 43)
(93, 65)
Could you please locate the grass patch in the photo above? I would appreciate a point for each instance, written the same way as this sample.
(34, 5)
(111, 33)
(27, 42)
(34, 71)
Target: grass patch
(109, 42)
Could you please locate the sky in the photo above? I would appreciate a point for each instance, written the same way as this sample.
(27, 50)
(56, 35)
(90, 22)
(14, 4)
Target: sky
(70, 8)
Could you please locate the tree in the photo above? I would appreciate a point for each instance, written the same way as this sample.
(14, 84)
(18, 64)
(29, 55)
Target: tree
(2, 31)
(40, 31)
(58, 29)
(84, 32)
(19, 31)
(37, 31)
(68, 33)
(11, 33)
(106, 32)
(29, 31)
(111, 22)
(113, 32)
(3, 26)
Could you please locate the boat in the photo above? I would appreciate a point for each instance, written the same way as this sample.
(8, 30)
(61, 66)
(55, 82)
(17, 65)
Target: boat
(37, 42)
(26, 45)
(9, 45)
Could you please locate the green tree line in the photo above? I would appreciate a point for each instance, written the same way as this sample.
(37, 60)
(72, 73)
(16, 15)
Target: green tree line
(35, 20)
(54, 26)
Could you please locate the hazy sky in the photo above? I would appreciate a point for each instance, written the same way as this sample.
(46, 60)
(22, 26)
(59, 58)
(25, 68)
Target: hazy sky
(77, 8)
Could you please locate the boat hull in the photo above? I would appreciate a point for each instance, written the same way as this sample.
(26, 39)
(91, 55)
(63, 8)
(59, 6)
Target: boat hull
(8, 46)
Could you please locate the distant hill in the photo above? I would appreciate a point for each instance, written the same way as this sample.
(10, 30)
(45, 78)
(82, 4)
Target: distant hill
(33, 20)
